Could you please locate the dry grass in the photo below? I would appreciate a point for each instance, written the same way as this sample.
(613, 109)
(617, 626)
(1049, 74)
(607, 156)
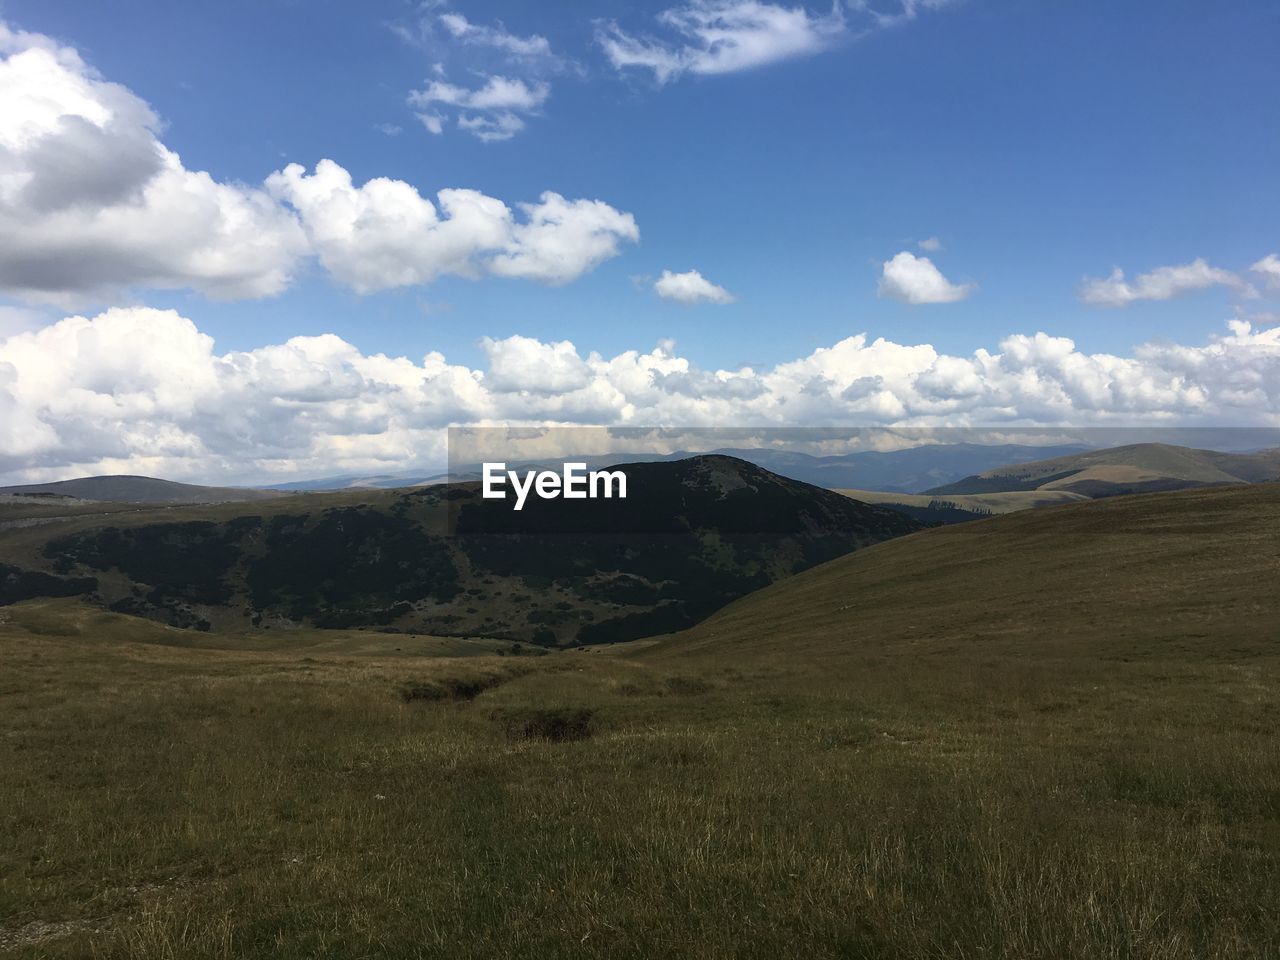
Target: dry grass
(859, 763)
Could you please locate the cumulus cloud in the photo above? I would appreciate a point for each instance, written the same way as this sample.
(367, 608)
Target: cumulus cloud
(523, 364)
(930, 245)
(1268, 269)
(385, 234)
(1162, 283)
(91, 202)
(145, 391)
(916, 280)
(560, 239)
(690, 288)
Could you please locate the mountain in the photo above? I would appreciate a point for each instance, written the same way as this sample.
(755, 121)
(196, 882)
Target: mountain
(1172, 575)
(1136, 468)
(129, 489)
(960, 507)
(907, 471)
(912, 470)
(382, 481)
(691, 536)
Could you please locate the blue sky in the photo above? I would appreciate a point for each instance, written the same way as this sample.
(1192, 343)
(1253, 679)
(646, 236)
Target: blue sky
(1039, 144)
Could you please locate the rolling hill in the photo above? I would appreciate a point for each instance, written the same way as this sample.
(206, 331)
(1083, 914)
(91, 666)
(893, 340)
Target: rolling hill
(1136, 468)
(130, 489)
(691, 536)
(1047, 734)
(1178, 574)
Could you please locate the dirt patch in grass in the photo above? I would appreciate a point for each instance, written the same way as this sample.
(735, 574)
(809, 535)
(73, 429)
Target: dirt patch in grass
(558, 725)
(451, 688)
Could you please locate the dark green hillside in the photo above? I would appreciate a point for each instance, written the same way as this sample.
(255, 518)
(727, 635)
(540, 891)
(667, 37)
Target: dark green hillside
(691, 536)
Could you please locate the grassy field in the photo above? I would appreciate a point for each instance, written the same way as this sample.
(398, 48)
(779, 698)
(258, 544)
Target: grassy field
(1044, 735)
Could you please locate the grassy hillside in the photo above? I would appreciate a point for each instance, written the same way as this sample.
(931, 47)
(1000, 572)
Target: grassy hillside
(691, 536)
(1047, 734)
(1137, 468)
(1189, 572)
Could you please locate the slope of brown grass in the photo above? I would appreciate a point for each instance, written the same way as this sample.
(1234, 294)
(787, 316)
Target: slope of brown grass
(1044, 735)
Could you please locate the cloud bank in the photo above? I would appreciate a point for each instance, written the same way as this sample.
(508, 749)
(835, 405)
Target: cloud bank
(137, 390)
(93, 203)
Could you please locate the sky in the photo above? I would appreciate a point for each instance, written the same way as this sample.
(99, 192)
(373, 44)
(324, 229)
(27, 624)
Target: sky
(255, 241)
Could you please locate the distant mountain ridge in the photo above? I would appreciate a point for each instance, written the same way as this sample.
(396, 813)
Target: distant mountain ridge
(910, 470)
(134, 489)
(1135, 468)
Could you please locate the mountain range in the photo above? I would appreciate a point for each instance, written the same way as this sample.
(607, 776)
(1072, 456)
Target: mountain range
(691, 536)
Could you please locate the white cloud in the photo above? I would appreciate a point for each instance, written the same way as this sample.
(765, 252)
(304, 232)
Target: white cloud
(906, 10)
(144, 391)
(492, 128)
(723, 36)
(522, 364)
(385, 234)
(690, 287)
(931, 245)
(1268, 268)
(1162, 283)
(460, 28)
(916, 280)
(434, 122)
(91, 202)
(494, 105)
(497, 93)
(560, 239)
(726, 36)
(388, 129)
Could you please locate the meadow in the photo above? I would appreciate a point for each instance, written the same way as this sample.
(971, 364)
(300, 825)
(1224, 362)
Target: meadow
(868, 760)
